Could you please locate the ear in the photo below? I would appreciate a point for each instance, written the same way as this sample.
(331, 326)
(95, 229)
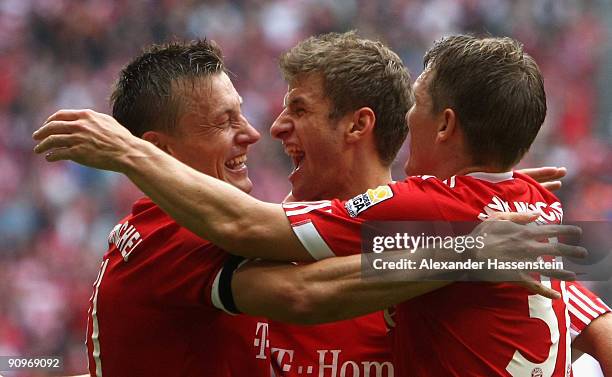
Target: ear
(160, 140)
(447, 125)
(361, 124)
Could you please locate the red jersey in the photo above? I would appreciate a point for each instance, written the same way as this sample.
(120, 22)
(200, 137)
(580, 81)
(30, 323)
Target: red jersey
(464, 329)
(583, 306)
(356, 347)
(155, 306)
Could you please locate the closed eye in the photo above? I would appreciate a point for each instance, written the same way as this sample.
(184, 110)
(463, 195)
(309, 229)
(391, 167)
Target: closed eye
(299, 112)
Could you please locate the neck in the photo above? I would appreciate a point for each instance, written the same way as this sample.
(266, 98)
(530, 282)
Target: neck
(481, 168)
(445, 172)
(459, 164)
(363, 176)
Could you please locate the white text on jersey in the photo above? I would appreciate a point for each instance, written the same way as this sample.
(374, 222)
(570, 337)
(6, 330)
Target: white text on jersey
(126, 238)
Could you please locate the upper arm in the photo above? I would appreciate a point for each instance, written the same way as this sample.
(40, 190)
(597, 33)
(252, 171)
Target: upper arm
(271, 289)
(583, 306)
(305, 231)
(590, 324)
(596, 340)
(265, 233)
(319, 292)
(323, 291)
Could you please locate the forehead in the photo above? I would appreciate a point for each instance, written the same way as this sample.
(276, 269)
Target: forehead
(306, 88)
(421, 84)
(209, 96)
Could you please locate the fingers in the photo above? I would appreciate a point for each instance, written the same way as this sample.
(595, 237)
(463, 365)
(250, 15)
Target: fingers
(69, 115)
(517, 217)
(540, 174)
(558, 274)
(537, 287)
(545, 174)
(550, 231)
(561, 172)
(55, 142)
(559, 249)
(552, 185)
(55, 127)
(58, 122)
(60, 154)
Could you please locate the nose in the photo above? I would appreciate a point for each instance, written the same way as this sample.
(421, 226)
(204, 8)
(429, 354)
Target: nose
(248, 134)
(282, 126)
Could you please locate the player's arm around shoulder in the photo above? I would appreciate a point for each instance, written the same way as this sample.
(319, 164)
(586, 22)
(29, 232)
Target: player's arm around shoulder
(334, 288)
(325, 291)
(278, 291)
(209, 207)
(596, 340)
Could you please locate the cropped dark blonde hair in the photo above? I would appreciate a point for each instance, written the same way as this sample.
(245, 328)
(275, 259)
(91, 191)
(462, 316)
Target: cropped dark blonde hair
(495, 88)
(358, 73)
(145, 96)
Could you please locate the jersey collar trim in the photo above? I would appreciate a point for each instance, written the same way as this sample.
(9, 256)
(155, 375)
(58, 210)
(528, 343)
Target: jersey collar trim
(492, 177)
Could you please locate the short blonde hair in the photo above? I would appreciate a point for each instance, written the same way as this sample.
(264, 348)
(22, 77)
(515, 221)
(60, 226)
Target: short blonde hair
(358, 73)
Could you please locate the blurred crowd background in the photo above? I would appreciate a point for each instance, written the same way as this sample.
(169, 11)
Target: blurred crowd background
(54, 218)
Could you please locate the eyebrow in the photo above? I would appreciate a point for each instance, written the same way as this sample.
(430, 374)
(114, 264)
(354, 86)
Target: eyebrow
(297, 100)
(217, 114)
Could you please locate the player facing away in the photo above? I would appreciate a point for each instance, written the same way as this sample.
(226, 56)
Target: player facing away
(152, 312)
(252, 228)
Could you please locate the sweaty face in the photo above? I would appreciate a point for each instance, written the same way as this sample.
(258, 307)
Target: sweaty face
(312, 140)
(212, 134)
(422, 130)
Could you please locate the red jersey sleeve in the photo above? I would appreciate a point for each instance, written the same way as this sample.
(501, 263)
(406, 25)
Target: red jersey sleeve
(220, 290)
(191, 265)
(148, 239)
(333, 227)
(583, 306)
(324, 228)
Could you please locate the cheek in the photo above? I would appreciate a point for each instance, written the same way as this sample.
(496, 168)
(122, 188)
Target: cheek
(410, 117)
(311, 138)
(207, 158)
(331, 144)
(417, 124)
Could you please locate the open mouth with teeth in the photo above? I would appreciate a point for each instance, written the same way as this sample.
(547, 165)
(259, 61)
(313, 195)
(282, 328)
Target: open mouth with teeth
(297, 156)
(237, 163)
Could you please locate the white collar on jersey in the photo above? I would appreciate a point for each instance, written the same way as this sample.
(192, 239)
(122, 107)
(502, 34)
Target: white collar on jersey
(492, 177)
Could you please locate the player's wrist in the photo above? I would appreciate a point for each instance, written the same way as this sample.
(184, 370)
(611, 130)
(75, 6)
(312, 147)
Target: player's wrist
(136, 156)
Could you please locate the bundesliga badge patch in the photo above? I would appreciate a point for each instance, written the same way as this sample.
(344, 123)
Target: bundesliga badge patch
(368, 199)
